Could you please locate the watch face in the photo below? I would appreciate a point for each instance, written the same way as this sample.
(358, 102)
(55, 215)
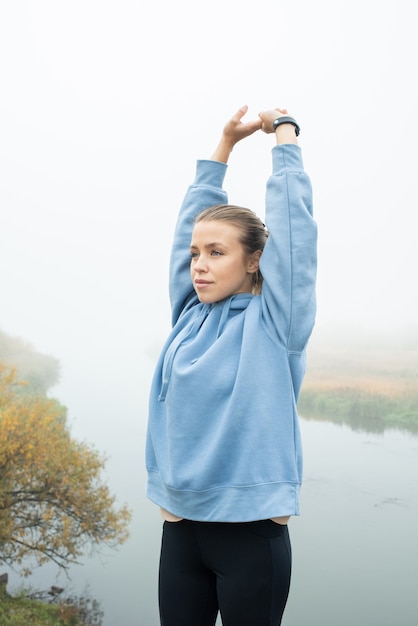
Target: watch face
(286, 120)
(280, 120)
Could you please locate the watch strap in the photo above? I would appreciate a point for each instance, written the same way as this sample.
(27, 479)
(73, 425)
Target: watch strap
(286, 119)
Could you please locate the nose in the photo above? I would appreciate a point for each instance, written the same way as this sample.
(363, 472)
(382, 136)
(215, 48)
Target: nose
(200, 264)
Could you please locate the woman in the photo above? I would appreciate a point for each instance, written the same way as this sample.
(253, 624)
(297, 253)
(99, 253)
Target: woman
(223, 450)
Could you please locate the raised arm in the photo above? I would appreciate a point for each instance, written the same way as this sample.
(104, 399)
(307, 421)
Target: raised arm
(205, 191)
(288, 263)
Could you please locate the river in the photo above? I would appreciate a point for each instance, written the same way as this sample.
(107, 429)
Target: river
(355, 547)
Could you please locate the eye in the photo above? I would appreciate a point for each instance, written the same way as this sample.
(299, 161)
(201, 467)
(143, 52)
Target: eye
(194, 255)
(216, 253)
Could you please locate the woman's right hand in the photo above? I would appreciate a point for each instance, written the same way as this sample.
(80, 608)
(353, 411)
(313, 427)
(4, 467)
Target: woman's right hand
(235, 130)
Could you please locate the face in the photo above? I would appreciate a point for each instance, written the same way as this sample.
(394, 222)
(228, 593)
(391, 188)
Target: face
(219, 265)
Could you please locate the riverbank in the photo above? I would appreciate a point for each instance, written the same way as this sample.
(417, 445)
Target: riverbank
(367, 380)
(22, 609)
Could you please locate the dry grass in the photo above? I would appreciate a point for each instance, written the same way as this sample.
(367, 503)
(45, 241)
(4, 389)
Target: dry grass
(385, 365)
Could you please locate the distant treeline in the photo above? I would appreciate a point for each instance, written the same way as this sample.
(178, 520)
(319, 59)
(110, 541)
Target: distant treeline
(40, 371)
(360, 409)
(366, 380)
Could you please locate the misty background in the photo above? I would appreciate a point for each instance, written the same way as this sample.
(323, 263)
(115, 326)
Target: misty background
(104, 109)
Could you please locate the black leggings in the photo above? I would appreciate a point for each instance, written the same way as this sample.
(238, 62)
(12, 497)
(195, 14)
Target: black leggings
(241, 570)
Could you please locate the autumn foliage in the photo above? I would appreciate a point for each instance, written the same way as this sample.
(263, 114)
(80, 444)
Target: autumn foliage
(53, 502)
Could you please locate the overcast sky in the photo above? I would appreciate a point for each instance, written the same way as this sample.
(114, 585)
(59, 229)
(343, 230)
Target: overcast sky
(105, 107)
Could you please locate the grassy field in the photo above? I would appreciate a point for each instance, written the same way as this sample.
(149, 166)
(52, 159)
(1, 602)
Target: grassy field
(19, 610)
(368, 380)
(22, 612)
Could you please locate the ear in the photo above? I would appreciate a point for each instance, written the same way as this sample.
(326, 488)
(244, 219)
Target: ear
(254, 261)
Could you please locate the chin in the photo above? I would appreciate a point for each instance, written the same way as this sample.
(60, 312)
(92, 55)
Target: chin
(204, 300)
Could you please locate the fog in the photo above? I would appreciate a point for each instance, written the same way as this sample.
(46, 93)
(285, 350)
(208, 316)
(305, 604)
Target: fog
(105, 107)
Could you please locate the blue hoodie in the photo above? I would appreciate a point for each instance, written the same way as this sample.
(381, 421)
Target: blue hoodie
(223, 440)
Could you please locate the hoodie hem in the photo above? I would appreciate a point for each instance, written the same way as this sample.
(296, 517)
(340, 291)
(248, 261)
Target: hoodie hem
(246, 503)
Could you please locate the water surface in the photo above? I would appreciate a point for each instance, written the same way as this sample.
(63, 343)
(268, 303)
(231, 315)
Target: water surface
(355, 545)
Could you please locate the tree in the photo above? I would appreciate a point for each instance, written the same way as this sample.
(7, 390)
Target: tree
(53, 502)
(40, 371)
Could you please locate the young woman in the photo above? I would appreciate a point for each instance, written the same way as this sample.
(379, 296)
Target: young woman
(223, 450)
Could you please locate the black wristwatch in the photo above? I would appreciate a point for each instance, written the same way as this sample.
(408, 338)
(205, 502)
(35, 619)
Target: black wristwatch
(285, 119)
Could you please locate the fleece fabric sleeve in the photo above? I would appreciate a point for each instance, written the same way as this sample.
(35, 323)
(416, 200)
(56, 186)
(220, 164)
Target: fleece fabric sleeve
(205, 191)
(288, 263)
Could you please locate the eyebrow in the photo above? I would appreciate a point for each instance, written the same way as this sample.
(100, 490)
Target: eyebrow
(214, 244)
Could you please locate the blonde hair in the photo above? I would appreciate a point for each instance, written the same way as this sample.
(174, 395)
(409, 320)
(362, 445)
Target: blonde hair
(253, 233)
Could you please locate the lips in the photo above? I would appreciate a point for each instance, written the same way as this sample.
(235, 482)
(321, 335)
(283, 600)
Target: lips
(202, 283)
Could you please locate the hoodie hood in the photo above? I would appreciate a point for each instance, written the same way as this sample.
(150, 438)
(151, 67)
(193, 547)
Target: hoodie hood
(198, 328)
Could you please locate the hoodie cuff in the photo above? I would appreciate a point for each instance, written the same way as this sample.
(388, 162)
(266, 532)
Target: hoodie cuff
(211, 173)
(287, 157)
